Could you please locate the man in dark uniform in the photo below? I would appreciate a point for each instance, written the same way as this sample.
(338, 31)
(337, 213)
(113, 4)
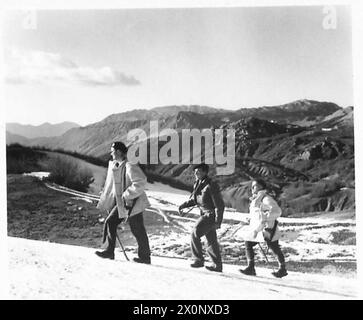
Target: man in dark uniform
(207, 197)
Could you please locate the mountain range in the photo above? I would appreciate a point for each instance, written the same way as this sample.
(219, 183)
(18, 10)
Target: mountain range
(304, 148)
(94, 139)
(44, 130)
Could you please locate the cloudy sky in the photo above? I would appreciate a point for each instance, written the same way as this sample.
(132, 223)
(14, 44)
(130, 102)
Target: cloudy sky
(83, 65)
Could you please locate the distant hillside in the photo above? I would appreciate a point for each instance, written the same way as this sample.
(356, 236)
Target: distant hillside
(43, 130)
(160, 113)
(341, 117)
(15, 138)
(301, 112)
(95, 139)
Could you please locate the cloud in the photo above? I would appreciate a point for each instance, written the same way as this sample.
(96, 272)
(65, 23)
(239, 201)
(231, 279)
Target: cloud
(44, 67)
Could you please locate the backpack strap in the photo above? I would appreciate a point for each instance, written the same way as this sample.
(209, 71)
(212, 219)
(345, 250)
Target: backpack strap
(274, 228)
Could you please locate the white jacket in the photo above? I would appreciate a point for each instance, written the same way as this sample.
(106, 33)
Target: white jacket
(119, 191)
(264, 210)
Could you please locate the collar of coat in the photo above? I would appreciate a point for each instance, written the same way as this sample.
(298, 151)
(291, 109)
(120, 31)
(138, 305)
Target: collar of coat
(258, 196)
(117, 164)
(200, 184)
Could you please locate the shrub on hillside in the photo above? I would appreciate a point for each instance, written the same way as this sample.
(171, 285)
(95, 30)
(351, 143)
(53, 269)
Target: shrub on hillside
(326, 188)
(302, 165)
(296, 190)
(70, 174)
(20, 159)
(94, 160)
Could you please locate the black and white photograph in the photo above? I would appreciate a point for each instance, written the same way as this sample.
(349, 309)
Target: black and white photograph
(192, 151)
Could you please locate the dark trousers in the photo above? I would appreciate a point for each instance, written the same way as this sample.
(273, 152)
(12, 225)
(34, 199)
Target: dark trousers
(274, 246)
(205, 226)
(137, 228)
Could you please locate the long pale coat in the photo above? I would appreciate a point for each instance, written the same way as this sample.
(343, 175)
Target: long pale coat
(264, 210)
(124, 183)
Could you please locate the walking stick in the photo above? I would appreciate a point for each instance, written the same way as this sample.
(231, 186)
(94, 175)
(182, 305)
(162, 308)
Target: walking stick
(122, 247)
(237, 229)
(265, 255)
(185, 213)
(118, 238)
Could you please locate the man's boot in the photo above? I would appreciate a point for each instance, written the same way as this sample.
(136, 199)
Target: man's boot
(250, 270)
(197, 264)
(215, 268)
(105, 254)
(281, 272)
(145, 261)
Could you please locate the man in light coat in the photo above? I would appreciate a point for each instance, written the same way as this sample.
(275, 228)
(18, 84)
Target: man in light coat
(123, 196)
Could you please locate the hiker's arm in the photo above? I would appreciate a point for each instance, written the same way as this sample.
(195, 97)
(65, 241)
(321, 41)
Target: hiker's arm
(187, 204)
(138, 182)
(261, 226)
(270, 210)
(217, 201)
